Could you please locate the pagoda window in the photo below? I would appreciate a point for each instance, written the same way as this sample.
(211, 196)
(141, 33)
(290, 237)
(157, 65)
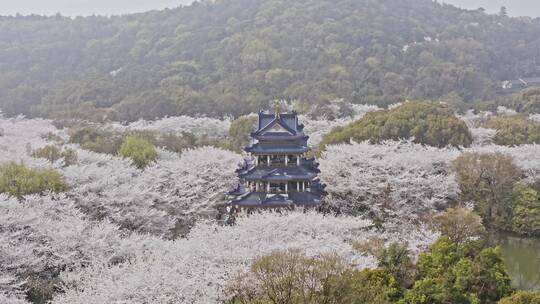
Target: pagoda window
(277, 188)
(277, 159)
(263, 160)
(292, 186)
(293, 160)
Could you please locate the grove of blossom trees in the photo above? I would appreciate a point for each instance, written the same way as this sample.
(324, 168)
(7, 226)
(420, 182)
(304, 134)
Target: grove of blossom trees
(178, 124)
(101, 263)
(403, 178)
(121, 234)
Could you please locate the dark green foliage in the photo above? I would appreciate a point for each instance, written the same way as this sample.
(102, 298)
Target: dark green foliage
(526, 210)
(451, 273)
(515, 130)
(522, 297)
(18, 180)
(141, 151)
(232, 56)
(429, 123)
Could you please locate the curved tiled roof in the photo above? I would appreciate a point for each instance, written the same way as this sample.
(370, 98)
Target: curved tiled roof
(277, 148)
(289, 173)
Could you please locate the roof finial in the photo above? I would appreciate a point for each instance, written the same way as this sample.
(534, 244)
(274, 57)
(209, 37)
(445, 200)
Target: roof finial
(276, 108)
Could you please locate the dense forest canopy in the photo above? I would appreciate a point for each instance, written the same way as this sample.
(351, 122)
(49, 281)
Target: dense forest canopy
(230, 57)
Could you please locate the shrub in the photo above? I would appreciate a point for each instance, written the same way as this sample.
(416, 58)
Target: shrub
(459, 224)
(50, 153)
(515, 130)
(373, 246)
(140, 150)
(488, 180)
(99, 141)
(177, 143)
(17, 180)
(522, 297)
(53, 154)
(50, 136)
(428, 123)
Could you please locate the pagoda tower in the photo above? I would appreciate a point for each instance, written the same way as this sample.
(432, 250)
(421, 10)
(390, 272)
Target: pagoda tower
(277, 173)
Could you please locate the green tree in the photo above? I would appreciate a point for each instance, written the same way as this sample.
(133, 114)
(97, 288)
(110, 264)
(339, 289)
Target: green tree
(239, 131)
(291, 277)
(427, 122)
(396, 261)
(139, 150)
(18, 180)
(487, 180)
(526, 211)
(374, 286)
(452, 273)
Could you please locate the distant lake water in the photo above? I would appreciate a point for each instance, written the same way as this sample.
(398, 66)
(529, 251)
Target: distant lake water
(522, 259)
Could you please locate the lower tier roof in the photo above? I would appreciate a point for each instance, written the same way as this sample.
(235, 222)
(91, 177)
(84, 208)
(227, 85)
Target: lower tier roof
(277, 174)
(263, 200)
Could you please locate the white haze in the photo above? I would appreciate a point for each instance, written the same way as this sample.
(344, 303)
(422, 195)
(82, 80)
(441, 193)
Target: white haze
(514, 7)
(85, 7)
(117, 7)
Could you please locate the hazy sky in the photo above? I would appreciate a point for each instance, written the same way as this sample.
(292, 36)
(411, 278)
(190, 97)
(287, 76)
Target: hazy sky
(84, 7)
(108, 7)
(515, 7)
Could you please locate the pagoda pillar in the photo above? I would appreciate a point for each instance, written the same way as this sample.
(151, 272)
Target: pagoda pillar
(298, 160)
(286, 187)
(257, 186)
(303, 186)
(267, 187)
(286, 160)
(298, 186)
(268, 159)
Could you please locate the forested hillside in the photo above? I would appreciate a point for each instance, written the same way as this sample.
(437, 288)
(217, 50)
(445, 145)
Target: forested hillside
(230, 57)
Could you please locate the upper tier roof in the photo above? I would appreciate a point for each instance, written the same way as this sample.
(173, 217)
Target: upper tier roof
(278, 126)
(277, 149)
